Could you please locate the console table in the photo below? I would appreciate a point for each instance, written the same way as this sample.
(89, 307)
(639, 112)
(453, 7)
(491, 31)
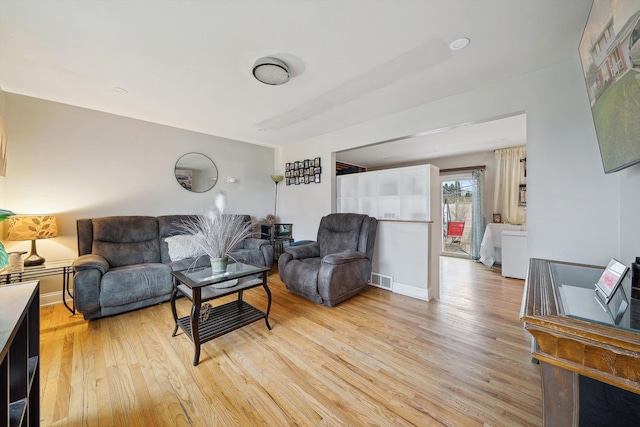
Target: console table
(20, 353)
(199, 285)
(589, 358)
(49, 268)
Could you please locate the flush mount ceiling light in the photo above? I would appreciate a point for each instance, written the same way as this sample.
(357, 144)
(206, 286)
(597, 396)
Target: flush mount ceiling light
(459, 44)
(271, 71)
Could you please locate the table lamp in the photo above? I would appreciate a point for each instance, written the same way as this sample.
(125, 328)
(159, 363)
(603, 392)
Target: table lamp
(32, 227)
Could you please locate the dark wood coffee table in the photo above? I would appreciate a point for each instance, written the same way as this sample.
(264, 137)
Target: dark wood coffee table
(199, 285)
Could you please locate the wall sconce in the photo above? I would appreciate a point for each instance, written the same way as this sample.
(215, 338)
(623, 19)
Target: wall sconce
(32, 227)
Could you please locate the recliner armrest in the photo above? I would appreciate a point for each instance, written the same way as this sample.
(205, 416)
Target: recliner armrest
(343, 257)
(91, 262)
(309, 250)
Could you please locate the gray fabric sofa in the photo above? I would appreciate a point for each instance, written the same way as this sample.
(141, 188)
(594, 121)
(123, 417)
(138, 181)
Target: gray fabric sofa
(125, 262)
(336, 266)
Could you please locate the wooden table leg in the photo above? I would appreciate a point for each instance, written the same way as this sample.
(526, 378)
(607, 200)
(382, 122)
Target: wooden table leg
(174, 294)
(560, 396)
(195, 323)
(268, 291)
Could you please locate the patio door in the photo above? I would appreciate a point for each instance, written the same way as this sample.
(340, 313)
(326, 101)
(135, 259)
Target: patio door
(462, 212)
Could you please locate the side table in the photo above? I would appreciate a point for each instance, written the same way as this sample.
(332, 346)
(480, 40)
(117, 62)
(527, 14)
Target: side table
(279, 244)
(49, 268)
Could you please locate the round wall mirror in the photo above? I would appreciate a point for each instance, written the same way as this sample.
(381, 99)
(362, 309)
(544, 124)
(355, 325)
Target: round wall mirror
(196, 172)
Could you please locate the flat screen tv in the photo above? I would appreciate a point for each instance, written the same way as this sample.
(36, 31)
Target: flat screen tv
(610, 55)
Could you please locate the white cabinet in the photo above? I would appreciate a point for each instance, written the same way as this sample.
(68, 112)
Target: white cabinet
(392, 194)
(515, 255)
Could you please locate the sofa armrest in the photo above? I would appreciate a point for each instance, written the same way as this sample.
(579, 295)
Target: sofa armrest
(91, 262)
(309, 250)
(87, 276)
(253, 243)
(342, 275)
(343, 257)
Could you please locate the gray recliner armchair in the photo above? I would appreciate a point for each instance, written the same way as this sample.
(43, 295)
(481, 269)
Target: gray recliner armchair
(336, 266)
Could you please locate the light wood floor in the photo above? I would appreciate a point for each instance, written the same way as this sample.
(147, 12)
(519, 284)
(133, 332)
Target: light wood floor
(376, 359)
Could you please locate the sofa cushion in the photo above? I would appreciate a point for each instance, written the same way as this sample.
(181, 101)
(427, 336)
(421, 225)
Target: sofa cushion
(126, 240)
(125, 228)
(339, 233)
(129, 284)
(170, 225)
(122, 254)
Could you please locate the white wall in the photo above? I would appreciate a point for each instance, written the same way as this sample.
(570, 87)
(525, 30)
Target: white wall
(573, 209)
(3, 112)
(79, 163)
(630, 213)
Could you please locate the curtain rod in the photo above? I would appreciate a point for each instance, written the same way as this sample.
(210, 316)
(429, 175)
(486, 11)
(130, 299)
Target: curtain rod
(463, 169)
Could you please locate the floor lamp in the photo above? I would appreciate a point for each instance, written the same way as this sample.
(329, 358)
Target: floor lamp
(277, 179)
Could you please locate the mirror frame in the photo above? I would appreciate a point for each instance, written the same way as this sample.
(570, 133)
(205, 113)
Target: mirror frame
(190, 173)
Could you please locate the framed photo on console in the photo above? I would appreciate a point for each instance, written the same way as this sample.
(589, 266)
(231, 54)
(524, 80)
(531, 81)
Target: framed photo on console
(611, 279)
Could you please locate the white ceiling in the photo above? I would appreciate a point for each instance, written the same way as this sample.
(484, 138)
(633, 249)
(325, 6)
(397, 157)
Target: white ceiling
(438, 143)
(188, 63)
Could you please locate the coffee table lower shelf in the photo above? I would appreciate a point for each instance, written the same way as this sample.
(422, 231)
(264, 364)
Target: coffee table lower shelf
(223, 319)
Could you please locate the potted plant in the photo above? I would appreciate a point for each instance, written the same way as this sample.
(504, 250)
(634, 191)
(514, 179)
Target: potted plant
(217, 234)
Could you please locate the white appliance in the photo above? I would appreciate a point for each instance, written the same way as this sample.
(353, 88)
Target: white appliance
(515, 255)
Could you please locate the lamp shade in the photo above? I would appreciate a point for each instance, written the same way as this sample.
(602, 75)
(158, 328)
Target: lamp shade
(277, 178)
(32, 227)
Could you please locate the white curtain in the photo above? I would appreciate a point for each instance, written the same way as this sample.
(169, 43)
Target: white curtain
(509, 176)
(477, 210)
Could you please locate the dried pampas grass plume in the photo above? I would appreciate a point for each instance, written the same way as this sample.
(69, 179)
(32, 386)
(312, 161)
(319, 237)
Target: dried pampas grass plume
(220, 200)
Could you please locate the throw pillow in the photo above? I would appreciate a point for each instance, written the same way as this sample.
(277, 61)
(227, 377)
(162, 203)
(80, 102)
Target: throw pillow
(183, 246)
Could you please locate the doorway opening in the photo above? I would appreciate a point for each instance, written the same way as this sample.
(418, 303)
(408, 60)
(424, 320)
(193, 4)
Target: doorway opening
(462, 207)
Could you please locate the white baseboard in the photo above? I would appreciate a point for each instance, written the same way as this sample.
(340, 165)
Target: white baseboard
(51, 298)
(410, 291)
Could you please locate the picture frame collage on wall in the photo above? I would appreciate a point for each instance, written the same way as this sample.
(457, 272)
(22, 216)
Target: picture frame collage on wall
(303, 172)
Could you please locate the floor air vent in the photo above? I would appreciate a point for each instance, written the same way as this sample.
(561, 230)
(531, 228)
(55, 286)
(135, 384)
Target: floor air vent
(381, 281)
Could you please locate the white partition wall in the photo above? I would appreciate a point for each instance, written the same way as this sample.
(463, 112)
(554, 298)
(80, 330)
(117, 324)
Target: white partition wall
(406, 202)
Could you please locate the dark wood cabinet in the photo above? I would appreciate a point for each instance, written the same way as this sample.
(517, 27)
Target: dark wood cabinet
(20, 343)
(589, 356)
